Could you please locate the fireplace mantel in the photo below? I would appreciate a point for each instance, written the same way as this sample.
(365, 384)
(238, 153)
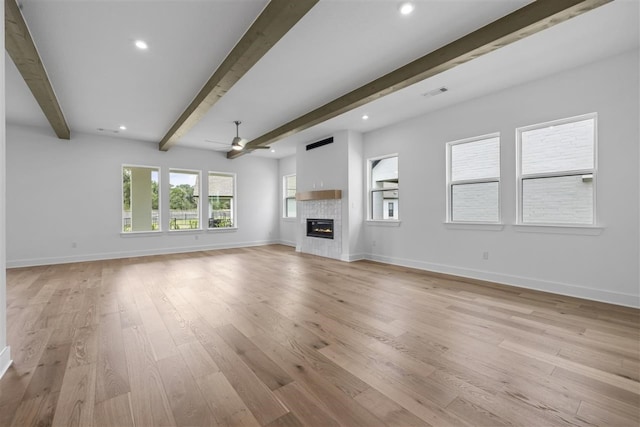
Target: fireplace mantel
(319, 195)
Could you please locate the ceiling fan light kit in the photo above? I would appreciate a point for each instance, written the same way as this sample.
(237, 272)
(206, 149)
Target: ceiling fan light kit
(238, 143)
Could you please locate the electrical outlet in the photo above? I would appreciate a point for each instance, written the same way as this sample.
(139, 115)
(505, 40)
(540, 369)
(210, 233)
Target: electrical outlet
(373, 243)
(485, 255)
(74, 244)
(196, 237)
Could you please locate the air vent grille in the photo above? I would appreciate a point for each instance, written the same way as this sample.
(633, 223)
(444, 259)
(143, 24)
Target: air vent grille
(435, 92)
(320, 143)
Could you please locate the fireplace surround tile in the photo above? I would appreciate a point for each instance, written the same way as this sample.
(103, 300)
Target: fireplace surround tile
(322, 209)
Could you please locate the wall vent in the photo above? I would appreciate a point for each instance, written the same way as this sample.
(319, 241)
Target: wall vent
(435, 92)
(320, 143)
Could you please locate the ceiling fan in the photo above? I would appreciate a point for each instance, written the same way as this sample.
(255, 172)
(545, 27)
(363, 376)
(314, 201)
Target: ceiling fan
(237, 144)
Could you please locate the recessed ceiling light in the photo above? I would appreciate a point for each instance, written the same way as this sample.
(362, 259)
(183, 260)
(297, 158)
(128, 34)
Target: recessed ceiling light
(273, 151)
(365, 117)
(141, 44)
(123, 127)
(406, 8)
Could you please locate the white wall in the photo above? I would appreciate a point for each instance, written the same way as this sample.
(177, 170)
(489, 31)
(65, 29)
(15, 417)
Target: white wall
(603, 266)
(5, 353)
(61, 192)
(336, 166)
(355, 192)
(323, 168)
(288, 226)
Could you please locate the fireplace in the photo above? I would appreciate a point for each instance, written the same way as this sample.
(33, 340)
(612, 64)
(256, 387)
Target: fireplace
(322, 228)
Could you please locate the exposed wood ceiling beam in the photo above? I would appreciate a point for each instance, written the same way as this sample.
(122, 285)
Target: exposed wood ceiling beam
(528, 20)
(23, 52)
(277, 18)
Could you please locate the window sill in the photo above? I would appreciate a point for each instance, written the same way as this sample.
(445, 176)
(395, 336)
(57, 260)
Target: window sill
(289, 218)
(141, 233)
(222, 229)
(584, 230)
(186, 230)
(483, 226)
(383, 222)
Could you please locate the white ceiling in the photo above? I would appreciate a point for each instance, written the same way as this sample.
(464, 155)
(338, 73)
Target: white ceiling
(103, 81)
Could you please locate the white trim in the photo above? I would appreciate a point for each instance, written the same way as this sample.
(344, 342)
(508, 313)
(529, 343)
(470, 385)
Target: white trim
(352, 257)
(286, 243)
(234, 200)
(200, 192)
(628, 300)
(285, 198)
(159, 170)
(520, 177)
(370, 190)
(450, 183)
(587, 230)
(480, 226)
(222, 229)
(130, 254)
(142, 233)
(5, 360)
(383, 222)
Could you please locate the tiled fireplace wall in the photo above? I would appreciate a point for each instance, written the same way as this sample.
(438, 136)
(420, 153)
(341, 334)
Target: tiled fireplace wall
(323, 209)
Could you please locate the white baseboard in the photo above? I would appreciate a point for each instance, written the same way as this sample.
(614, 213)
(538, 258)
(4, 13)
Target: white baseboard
(5, 360)
(287, 243)
(617, 298)
(353, 257)
(130, 254)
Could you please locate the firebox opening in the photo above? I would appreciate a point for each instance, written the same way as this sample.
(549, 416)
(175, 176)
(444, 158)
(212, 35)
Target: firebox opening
(322, 228)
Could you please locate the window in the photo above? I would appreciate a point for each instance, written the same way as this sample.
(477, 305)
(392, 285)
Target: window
(473, 180)
(383, 188)
(557, 172)
(222, 209)
(140, 199)
(184, 206)
(289, 185)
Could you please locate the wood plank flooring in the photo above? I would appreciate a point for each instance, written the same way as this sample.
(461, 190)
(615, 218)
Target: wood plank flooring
(268, 337)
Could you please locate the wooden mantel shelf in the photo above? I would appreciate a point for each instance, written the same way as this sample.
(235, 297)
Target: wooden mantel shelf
(319, 195)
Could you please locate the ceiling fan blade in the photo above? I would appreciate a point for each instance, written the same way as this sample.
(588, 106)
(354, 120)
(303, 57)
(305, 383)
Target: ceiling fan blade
(217, 142)
(257, 148)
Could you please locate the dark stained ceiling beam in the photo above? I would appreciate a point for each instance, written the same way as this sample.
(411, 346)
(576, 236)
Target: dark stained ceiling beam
(528, 20)
(23, 52)
(277, 18)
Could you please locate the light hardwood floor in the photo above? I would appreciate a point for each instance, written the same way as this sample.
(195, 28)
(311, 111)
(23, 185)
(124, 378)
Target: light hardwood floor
(268, 337)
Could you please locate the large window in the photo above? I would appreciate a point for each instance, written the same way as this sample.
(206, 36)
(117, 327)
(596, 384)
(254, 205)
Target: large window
(140, 199)
(473, 180)
(383, 188)
(557, 172)
(222, 209)
(184, 210)
(289, 191)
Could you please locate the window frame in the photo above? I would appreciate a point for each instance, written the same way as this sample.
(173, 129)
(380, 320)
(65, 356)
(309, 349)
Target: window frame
(450, 182)
(199, 210)
(160, 228)
(371, 190)
(285, 211)
(520, 177)
(234, 204)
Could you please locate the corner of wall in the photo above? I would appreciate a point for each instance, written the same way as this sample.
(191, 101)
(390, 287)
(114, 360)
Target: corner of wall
(5, 353)
(5, 360)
